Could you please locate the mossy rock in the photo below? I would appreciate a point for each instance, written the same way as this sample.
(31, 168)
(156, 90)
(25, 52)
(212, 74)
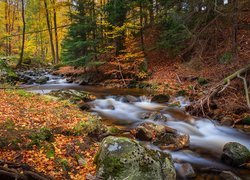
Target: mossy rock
(6, 73)
(246, 120)
(235, 154)
(72, 95)
(161, 98)
(123, 158)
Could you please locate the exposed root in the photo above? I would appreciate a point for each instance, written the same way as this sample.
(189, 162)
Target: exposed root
(10, 170)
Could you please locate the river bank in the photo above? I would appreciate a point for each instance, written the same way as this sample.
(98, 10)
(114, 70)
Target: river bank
(157, 121)
(42, 133)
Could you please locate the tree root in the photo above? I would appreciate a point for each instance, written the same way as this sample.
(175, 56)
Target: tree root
(219, 88)
(9, 170)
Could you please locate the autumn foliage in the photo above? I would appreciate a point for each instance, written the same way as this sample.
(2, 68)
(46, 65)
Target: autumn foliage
(41, 132)
(129, 65)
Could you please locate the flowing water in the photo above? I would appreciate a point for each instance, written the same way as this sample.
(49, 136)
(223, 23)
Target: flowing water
(207, 137)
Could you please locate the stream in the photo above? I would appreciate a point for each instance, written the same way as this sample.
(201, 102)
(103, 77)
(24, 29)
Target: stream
(207, 137)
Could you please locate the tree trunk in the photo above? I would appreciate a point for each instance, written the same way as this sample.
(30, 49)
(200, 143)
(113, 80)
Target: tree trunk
(6, 27)
(50, 32)
(235, 29)
(94, 31)
(55, 31)
(141, 29)
(151, 12)
(23, 39)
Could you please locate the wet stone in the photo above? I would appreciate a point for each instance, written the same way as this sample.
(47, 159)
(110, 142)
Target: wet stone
(185, 170)
(161, 136)
(227, 121)
(228, 175)
(235, 154)
(161, 98)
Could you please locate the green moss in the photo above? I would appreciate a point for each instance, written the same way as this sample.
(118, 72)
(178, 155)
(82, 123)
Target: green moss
(6, 73)
(41, 136)
(9, 124)
(50, 150)
(114, 130)
(112, 166)
(63, 163)
(190, 87)
(225, 58)
(97, 155)
(181, 93)
(161, 98)
(246, 120)
(92, 125)
(24, 93)
(15, 143)
(177, 104)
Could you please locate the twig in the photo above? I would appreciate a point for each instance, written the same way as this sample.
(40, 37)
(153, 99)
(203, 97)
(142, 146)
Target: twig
(178, 78)
(120, 70)
(225, 86)
(246, 89)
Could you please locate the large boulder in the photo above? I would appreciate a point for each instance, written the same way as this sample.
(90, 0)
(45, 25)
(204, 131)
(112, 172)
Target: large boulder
(161, 136)
(161, 98)
(123, 158)
(235, 154)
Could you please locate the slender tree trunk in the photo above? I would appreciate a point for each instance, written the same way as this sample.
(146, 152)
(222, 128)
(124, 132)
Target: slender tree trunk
(102, 19)
(141, 29)
(70, 11)
(6, 27)
(151, 12)
(235, 29)
(9, 29)
(23, 39)
(50, 32)
(55, 31)
(94, 31)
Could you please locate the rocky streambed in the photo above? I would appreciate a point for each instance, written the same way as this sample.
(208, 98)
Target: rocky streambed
(153, 137)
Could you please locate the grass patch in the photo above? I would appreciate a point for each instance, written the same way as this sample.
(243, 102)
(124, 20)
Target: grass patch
(24, 93)
(40, 136)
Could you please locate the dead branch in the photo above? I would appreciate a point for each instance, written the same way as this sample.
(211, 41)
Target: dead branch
(246, 89)
(220, 87)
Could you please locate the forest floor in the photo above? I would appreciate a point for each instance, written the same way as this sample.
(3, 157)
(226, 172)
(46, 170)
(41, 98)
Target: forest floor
(45, 134)
(180, 75)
